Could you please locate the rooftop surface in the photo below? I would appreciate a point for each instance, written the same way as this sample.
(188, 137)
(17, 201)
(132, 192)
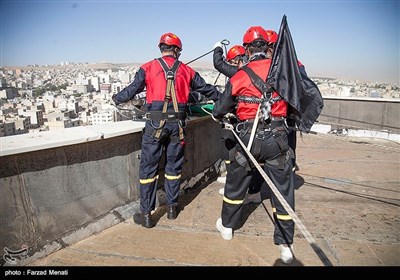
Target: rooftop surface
(347, 196)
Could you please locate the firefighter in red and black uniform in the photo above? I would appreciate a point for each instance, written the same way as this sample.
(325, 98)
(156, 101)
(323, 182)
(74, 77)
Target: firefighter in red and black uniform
(270, 145)
(168, 83)
(235, 58)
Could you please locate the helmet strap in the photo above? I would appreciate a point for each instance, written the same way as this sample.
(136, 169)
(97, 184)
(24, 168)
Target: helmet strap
(177, 52)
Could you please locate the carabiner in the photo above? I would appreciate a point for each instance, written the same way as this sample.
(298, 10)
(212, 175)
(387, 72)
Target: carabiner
(225, 42)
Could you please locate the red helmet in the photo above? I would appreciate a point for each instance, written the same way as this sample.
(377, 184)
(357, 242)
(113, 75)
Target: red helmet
(254, 33)
(170, 39)
(272, 36)
(234, 52)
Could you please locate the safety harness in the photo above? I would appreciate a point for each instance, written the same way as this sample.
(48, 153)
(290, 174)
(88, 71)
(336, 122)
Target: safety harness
(268, 123)
(170, 93)
(266, 90)
(300, 225)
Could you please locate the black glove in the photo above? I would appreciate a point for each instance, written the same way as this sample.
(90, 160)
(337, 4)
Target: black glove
(115, 100)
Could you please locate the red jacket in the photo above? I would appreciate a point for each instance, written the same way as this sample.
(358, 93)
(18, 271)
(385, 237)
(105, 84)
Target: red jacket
(241, 85)
(156, 84)
(152, 77)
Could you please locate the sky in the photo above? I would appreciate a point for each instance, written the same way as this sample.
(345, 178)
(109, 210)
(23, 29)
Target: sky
(350, 39)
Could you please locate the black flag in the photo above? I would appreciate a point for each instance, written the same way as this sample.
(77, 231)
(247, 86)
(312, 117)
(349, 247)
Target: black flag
(293, 85)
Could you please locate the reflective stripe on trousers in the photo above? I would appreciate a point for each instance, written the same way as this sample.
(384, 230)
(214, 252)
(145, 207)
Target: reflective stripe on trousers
(152, 150)
(239, 180)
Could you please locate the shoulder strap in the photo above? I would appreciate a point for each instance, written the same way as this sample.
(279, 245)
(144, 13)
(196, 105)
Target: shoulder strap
(266, 91)
(169, 72)
(261, 85)
(170, 92)
(170, 77)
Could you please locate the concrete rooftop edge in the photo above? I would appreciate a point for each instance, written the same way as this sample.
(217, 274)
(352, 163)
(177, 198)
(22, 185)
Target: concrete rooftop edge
(75, 135)
(51, 139)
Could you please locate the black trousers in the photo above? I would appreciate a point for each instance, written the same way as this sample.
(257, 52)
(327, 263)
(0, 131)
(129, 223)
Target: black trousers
(229, 144)
(241, 177)
(292, 137)
(152, 149)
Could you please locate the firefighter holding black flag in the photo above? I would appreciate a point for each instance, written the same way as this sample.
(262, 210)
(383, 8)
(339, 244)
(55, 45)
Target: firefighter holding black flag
(265, 110)
(262, 92)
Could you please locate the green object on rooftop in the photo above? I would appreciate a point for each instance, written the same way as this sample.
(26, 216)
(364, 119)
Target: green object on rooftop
(199, 109)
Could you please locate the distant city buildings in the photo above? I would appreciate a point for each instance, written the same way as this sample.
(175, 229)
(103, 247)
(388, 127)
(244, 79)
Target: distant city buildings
(74, 94)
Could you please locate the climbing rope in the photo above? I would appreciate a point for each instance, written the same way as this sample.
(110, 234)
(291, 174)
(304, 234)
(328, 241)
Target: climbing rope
(284, 203)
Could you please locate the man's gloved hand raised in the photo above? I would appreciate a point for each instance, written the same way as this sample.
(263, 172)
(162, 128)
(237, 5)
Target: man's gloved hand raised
(217, 44)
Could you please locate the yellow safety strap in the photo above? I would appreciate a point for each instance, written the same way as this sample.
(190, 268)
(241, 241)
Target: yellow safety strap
(170, 92)
(175, 104)
(164, 110)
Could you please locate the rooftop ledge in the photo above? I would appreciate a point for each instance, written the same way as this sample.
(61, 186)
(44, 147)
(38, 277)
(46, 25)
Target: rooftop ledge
(35, 141)
(374, 99)
(75, 135)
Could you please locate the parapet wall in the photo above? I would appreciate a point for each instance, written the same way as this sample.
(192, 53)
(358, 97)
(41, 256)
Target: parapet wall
(54, 186)
(362, 113)
(49, 194)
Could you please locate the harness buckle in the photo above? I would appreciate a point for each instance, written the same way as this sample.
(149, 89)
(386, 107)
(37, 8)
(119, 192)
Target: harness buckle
(261, 134)
(170, 75)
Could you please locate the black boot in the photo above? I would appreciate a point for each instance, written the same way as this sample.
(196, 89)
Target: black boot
(143, 219)
(172, 213)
